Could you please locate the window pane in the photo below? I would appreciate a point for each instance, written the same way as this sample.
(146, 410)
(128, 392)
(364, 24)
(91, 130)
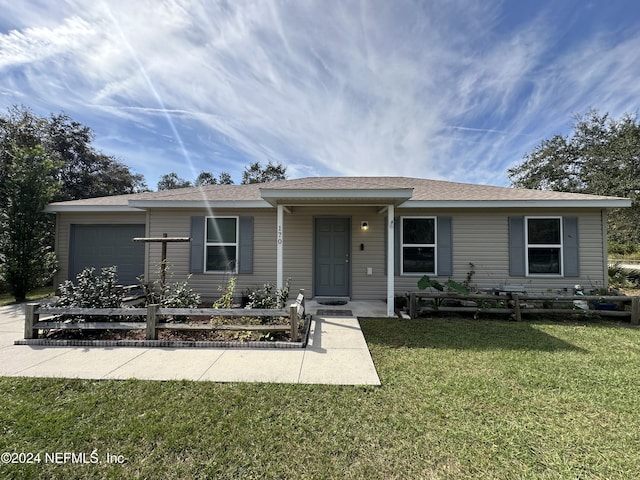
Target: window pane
(221, 259)
(418, 230)
(544, 231)
(221, 230)
(544, 260)
(419, 259)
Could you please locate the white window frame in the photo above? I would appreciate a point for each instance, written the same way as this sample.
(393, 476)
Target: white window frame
(222, 244)
(559, 246)
(431, 245)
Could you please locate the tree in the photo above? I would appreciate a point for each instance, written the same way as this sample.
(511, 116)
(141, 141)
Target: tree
(225, 179)
(83, 171)
(170, 181)
(207, 178)
(601, 157)
(255, 173)
(27, 260)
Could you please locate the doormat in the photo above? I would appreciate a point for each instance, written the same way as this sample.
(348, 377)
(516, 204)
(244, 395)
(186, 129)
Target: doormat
(332, 302)
(325, 312)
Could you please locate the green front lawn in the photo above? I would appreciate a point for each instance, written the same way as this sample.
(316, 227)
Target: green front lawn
(460, 399)
(8, 299)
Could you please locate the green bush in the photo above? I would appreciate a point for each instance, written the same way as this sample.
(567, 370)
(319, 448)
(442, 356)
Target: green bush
(179, 295)
(226, 300)
(91, 290)
(268, 296)
(627, 249)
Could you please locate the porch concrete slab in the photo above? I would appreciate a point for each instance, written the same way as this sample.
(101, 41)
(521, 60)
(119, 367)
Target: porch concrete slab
(347, 366)
(168, 364)
(337, 353)
(257, 365)
(359, 308)
(83, 362)
(337, 333)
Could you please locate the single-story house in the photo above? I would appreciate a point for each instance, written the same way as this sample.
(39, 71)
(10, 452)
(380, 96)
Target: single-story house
(364, 238)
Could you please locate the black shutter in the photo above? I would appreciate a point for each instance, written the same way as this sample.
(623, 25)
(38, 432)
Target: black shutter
(570, 254)
(196, 254)
(516, 247)
(444, 246)
(397, 254)
(245, 250)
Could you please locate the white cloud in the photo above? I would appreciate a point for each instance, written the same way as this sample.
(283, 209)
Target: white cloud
(436, 89)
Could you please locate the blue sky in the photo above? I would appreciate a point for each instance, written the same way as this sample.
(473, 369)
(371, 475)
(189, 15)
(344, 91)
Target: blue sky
(446, 89)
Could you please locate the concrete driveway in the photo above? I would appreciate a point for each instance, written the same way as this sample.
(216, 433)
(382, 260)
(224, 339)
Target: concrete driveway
(336, 354)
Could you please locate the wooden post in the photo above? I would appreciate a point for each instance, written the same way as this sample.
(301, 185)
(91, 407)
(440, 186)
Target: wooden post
(163, 259)
(30, 319)
(152, 311)
(293, 313)
(163, 265)
(635, 311)
(516, 306)
(412, 305)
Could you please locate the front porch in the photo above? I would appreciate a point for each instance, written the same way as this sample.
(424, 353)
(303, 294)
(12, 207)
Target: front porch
(358, 308)
(331, 230)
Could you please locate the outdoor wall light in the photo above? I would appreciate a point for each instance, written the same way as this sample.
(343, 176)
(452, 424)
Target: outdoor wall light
(364, 225)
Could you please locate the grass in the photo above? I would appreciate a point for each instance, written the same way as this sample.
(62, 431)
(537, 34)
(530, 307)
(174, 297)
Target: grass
(8, 299)
(460, 399)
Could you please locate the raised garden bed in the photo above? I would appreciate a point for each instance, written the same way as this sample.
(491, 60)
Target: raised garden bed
(155, 326)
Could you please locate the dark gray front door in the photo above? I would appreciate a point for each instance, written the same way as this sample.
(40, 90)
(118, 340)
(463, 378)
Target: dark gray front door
(332, 262)
(105, 245)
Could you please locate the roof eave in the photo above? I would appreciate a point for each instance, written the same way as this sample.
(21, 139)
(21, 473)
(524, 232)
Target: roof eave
(395, 196)
(53, 208)
(145, 204)
(590, 203)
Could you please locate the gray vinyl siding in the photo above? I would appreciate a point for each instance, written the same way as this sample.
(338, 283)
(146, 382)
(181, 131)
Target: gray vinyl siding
(63, 231)
(478, 236)
(178, 223)
(482, 238)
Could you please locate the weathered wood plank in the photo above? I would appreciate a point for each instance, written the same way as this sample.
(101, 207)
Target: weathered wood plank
(224, 312)
(209, 326)
(516, 307)
(559, 298)
(162, 239)
(635, 311)
(152, 332)
(91, 311)
(30, 319)
(91, 325)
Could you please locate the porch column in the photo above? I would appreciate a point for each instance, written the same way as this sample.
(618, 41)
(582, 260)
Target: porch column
(390, 261)
(279, 247)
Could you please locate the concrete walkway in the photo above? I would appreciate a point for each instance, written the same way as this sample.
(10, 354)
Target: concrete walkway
(337, 354)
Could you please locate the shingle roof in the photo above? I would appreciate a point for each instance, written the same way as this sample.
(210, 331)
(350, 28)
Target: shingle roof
(424, 190)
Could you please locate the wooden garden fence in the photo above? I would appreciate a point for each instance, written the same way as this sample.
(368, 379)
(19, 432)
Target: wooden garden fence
(519, 304)
(151, 319)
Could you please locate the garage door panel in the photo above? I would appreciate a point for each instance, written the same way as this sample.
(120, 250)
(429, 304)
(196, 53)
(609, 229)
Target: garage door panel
(101, 246)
